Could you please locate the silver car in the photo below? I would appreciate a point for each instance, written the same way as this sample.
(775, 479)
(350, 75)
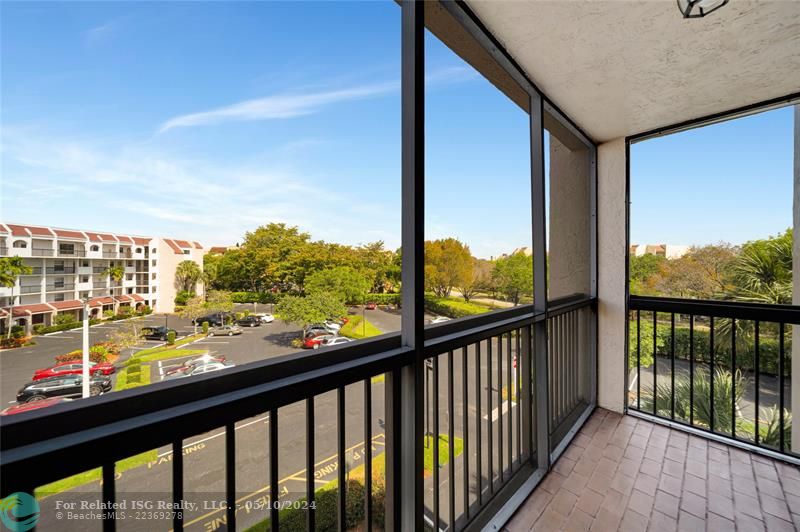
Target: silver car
(225, 330)
(336, 340)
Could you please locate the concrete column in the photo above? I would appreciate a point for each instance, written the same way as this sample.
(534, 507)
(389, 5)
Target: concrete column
(795, 400)
(569, 245)
(611, 378)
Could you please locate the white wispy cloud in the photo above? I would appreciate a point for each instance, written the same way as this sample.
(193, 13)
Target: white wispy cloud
(99, 34)
(290, 105)
(277, 106)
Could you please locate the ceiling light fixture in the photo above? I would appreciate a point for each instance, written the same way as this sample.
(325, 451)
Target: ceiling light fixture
(699, 8)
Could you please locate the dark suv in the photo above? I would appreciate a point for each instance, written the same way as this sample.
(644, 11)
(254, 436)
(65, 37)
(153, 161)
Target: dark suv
(249, 321)
(157, 333)
(215, 320)
(65, 386)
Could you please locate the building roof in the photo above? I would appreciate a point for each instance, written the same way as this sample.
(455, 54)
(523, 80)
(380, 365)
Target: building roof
(123, 298)
(97, 301)
(137, 297)
(72, 304)
(20, 311)
(65, 233)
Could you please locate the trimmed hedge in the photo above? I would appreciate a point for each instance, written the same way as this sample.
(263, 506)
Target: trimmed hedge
(254, 297)
(384, 299)
(357, 327)
(45, 329)
(452, 307)
(769, 346)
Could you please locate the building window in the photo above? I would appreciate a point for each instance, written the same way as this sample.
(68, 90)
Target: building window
(129, 291)
(20, 244)
(153, 276)
(85, 263)
(84, 278)
(66, 249)
(153, 251)
(186, 251)
(138, 250)
(95, 248)
(154, 263)
(130, 263)
(83, 295)
(129, 277)
(155, 289)
(59, 297)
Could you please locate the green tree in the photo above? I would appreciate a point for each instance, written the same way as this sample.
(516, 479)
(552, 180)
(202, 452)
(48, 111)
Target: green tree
(343, 282)
(187, 275)
(704, 272)
(762, 272)
(448, 263)
(513, 276)
(126, 336)
(479, 278)
(643, 270)
(313, 308)
(10, 270)
(115, 273)
(194, 308)
(219, 301)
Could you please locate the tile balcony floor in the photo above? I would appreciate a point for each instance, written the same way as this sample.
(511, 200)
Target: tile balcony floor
(624, 473)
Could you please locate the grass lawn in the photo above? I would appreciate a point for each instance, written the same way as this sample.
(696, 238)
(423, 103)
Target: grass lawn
(357, 327)
(93, 475)
(164, 354)
(454, 307)
(122, 379)
(183, 341)
(444, 451)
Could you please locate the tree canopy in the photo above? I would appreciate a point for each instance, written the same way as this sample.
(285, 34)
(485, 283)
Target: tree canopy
(313, 308)
(344, 282)
(448, 264)
(513, 276)
(187, 275)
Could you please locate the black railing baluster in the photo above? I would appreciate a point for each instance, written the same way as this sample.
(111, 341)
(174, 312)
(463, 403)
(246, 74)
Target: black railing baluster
(451, 481)
(672, 364)
(465, 426)
(274, 495)
(435, 440)
(781, 372)
(310, 461)
(500, 408)
(655, 362)
(733, 378)
(691, 369)
(638, 360)
(711, 372)
(757, 368)
(109, 497)
(509, 402)
(490, 422)
(519, 402)
(177, 484)
(230, 475)
(367, 454)
(478, 424)
(342, 466)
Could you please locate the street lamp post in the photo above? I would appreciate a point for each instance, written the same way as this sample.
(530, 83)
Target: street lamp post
(85, 365)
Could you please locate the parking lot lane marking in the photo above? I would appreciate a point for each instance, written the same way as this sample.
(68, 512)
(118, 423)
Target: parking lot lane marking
(265, 419)
(288, 478)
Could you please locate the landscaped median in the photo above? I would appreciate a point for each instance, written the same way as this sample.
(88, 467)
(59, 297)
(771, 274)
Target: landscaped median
(326, 497)
(358, 327)
(454, 307)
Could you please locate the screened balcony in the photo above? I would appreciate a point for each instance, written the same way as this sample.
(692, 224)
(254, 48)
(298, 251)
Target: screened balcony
(521, 418)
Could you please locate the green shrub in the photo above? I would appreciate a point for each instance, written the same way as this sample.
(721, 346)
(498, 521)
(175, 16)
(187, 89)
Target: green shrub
(108, 313)
(134, 377)
(357, 327)
(205, 327)
(384, 299)
(17, 331)
(171, 338)
(453, 307)
(125, 310)
(144, 310)
(62, 319)
(183, 296)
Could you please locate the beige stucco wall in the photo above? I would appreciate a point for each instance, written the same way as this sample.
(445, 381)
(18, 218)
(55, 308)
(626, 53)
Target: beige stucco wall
(611, 274)
(168, 261)
(569, 239)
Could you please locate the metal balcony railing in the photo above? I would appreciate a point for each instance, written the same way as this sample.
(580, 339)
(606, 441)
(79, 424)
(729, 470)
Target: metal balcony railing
(98, 269)
(30, 289)
(35, 270)
(42, 252)
(721, 367)
(60, 287)
(65, 270)
(71, 252)
(3, 251)
(480, 383)
(110, 254)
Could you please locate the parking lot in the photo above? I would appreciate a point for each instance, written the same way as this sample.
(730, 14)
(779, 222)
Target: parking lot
(257, 343)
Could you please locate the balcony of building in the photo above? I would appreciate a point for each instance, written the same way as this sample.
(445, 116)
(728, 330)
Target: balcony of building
(543, 414)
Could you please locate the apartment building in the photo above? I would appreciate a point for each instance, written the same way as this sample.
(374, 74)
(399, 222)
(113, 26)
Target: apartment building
(69, 265)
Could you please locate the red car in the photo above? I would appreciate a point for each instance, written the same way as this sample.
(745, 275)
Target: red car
(371, 306)
(34, 405)
(73, 367)
(313, 342)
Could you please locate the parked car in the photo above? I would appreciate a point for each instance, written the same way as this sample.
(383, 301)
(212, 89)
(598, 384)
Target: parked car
(336, 340)
(203, 359)
(439, 319)
(313, 342)
(199, 369)
(35, 405)
(214, 320)
(328, 326)
(249, 321)
(370, 306)
(316, 331)
(157, 333)
(74, 367)
(65, 386)
(225, 330)
(265, 317)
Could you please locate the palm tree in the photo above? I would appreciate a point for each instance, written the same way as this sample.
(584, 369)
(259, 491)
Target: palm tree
(187, 274)
(763, 271)
(115, 273)
(10, 270)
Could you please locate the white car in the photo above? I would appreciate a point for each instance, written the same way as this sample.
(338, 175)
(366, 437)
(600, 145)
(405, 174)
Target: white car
(265, 317)
(439, 319)
(336, 340)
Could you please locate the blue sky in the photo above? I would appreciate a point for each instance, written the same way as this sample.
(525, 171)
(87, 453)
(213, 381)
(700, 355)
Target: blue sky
(205, 120)
(730, 182)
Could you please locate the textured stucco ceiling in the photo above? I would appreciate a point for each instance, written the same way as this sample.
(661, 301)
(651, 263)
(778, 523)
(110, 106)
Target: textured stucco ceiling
(621, 67)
